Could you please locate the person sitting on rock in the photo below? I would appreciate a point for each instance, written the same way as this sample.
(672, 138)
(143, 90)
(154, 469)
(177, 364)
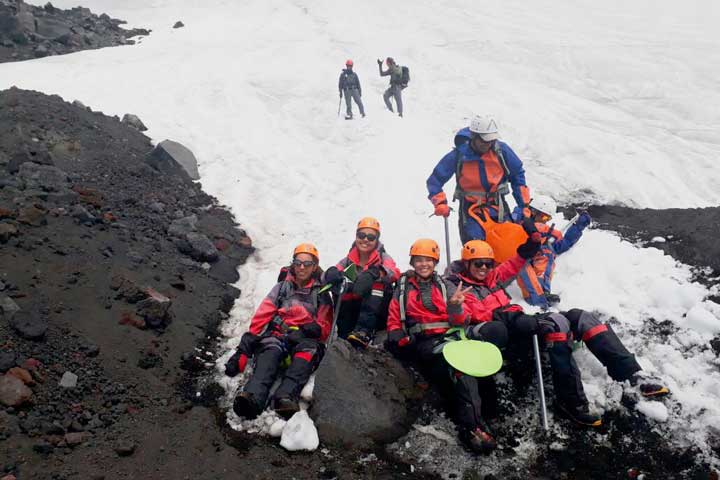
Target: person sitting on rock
(487, 301)
(294, 320)
(535, 278)
(364, 307)
(424, 306)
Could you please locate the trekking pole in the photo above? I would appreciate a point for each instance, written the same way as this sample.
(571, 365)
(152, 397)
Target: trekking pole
(339, 102)
(541, 387)
(447, 241)
(333, 329)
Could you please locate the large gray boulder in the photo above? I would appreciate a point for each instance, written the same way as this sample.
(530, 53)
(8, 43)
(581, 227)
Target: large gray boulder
(361, 398)
(43, 177)
(52, 28)
(173, 158)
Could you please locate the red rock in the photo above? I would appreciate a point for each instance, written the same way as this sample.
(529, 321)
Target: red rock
(245, 242)
(6, 213)
(32, 215)
(13, 391)
(9, 477)
(129, 318)
(31, 364)
(109, 217)
(21, 374)
(221, 244)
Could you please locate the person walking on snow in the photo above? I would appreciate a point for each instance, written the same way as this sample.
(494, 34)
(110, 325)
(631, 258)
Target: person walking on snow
(396, 84)
(535, 278)
(485, 170)
(364, 307)
(349, 85)
(293, 320)
(423, 308)
(488, 300)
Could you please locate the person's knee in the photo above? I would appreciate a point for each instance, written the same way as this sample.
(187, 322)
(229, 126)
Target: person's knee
(493, 332)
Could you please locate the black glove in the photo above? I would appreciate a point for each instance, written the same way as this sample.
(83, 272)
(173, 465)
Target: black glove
(379, 62)
(311, 330)
(532, 231)
(364, 281)
(528, 249)
(397, 339)
(237, 363)
(334, 276)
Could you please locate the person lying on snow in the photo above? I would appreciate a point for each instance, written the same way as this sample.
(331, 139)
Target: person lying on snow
(423, 308)
(535, 278)
(364, 307)
(487, 301)
(294, 320)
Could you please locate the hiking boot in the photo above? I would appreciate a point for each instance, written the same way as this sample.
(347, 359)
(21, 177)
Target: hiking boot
(348, 116)
(400, 114)
(552, 298)
(479, 440)
(286, 407)
(649, 387)
(362, 115)
(245, 406)
(580, 415)
(359, 338)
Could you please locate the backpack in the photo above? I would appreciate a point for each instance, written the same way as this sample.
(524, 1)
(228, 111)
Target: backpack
(405, 76)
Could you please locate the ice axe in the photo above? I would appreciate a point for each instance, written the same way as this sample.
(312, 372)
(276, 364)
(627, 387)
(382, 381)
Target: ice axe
(447, 239)
(541, 386)
(336, 314)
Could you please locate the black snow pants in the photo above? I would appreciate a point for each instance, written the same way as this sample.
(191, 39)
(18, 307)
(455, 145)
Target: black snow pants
(368, 313)
(305, 355)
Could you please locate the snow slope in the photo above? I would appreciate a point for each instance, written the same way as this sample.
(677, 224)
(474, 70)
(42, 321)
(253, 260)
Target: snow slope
(609, 102)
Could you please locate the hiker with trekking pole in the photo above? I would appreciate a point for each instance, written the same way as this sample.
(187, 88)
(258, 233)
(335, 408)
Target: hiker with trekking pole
(292, 324)
(488, 302)
(349, 86)
(486, 169)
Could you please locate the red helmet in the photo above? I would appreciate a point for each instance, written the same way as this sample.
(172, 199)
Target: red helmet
(349, 63)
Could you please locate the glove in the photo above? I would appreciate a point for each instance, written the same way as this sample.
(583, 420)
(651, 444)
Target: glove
(532, 231)
(364, 281)
(439, 200)
(529, 249)
(237, 363)
(584, 220)
(311, 330)
(397, 339)
(334, 276)
(379, 62)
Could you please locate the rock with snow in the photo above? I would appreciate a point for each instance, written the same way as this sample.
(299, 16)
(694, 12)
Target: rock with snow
(173, 158)
(361, 398)
(299, 433)
(69, 380)
(699, 318)
(134, 122)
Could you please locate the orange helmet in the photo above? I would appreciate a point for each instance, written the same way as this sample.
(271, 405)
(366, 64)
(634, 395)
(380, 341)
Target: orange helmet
(307, 248)
(477, 249)
(369, 222)
(425, 247)
(349, 63)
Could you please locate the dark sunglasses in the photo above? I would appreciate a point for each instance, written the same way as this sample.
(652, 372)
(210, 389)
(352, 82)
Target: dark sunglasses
(483, 262)
(371, 237)
(480, 139)
(306, 263)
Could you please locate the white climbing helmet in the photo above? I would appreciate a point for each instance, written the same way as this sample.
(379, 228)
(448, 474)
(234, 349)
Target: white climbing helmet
(485, 127)
(544, 204)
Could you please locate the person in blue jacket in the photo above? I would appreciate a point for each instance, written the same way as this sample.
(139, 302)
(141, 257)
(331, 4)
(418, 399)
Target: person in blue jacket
(485, 170)
(535, 278)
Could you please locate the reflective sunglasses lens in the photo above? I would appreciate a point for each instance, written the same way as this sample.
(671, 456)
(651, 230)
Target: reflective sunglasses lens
(306, 263)
(483, 263)
(370, 237)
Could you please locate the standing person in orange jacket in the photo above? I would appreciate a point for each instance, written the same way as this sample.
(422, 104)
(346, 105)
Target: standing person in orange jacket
(293, 320)
(423, 308)
(364, 306)
(485, 170)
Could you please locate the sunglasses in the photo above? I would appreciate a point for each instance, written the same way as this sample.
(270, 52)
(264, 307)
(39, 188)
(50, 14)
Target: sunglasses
(371, 237)
(301, 263)
(480, 139)
(485, 262)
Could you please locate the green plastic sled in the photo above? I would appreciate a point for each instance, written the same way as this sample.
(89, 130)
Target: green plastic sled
(472, 357)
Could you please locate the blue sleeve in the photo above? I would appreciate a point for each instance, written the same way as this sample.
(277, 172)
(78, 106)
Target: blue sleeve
(571, 237)
(441, 173)
(517, 173)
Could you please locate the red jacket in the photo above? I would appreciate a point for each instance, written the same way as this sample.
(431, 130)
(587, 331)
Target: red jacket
(486, 295)
(377, 258)
(295, 309)
(418, 317)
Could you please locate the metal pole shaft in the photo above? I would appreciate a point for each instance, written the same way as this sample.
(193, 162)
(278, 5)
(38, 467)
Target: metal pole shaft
(447, 241)
(541, 387)
(331, 338)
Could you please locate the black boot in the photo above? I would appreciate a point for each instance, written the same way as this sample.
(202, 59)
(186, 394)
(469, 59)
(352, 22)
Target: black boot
(246, 406)
(579, 414)
(649, 387)
(479, 440)
(552, 298)
(286, 407)
(359, 338)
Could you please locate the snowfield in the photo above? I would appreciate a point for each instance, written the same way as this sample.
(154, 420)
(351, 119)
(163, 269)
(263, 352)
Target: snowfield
(605, 102)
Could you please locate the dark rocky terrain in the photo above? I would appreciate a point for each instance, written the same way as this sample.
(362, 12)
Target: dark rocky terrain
(28, 31)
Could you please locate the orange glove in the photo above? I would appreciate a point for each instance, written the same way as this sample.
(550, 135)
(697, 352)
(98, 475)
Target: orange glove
(442, 209)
